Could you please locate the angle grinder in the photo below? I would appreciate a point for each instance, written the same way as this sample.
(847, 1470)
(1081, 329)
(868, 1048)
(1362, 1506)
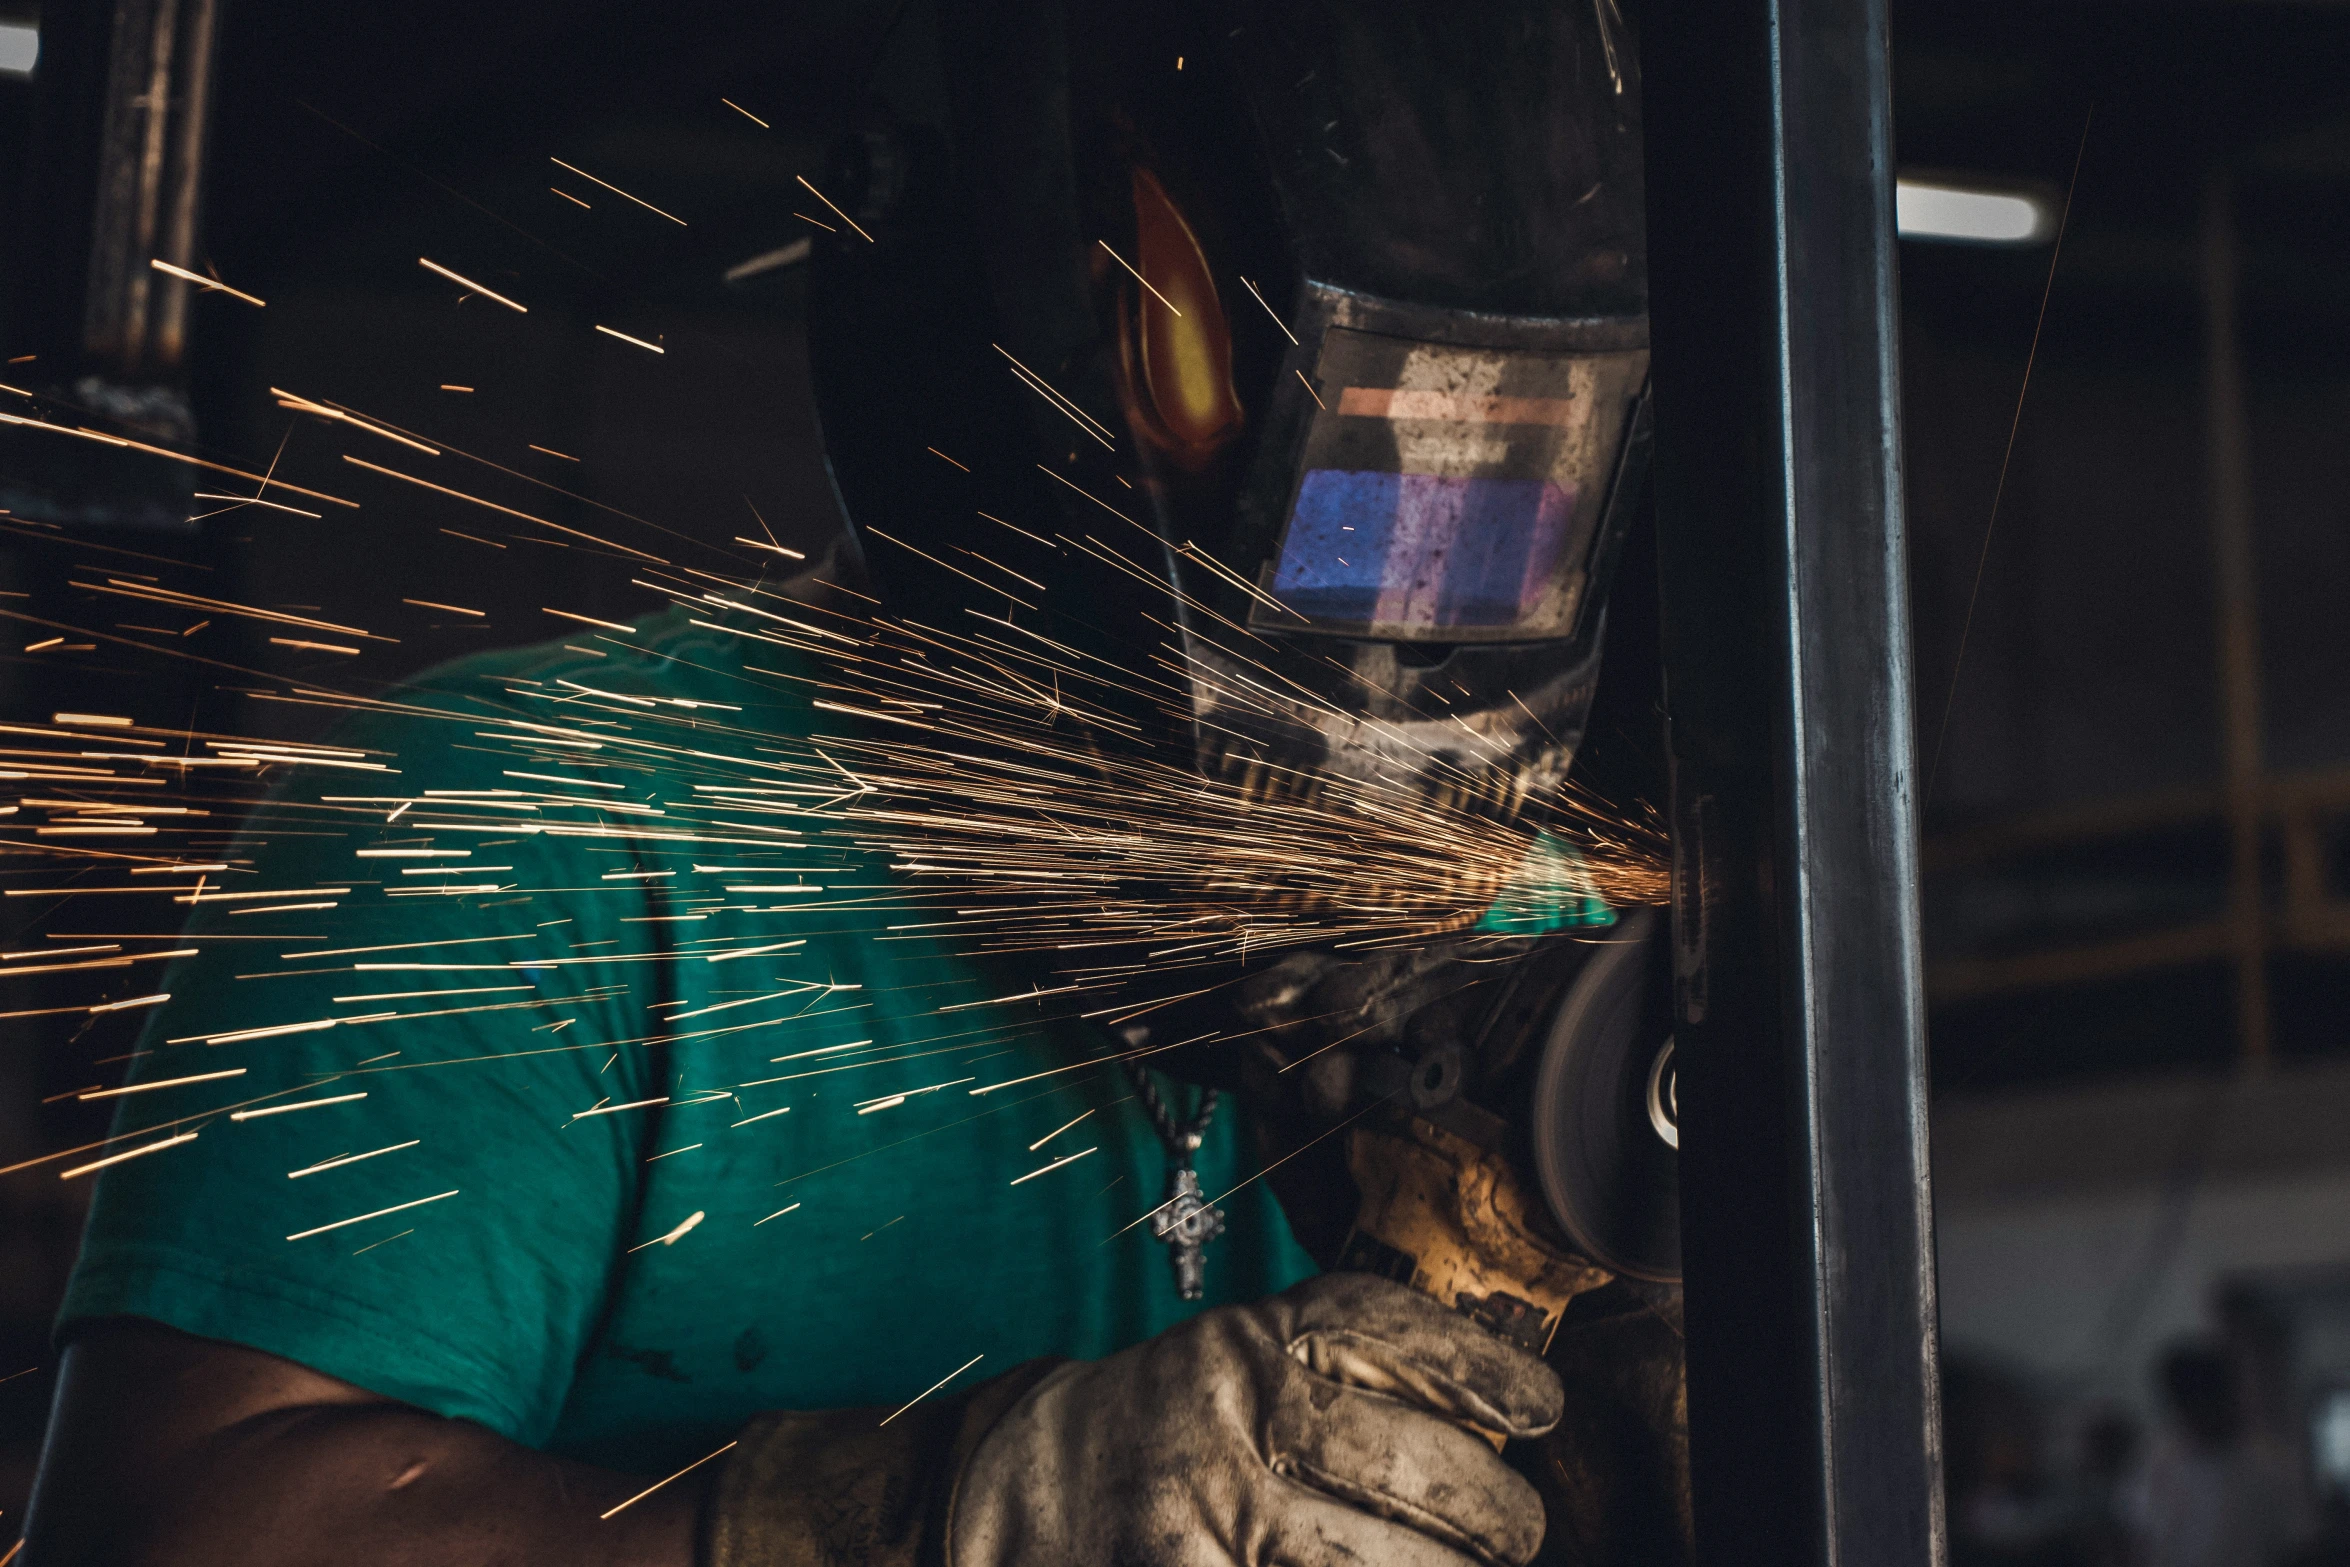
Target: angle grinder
(1495, 1123)
(1507, 1217)
(1547, 1209)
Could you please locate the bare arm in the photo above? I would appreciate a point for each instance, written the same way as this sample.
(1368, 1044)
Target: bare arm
(168, 1448)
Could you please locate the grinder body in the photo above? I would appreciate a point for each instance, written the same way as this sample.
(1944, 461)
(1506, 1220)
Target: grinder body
(1451, 1205)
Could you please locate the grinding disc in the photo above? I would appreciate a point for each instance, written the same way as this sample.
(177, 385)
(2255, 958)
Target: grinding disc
(1606, 1118)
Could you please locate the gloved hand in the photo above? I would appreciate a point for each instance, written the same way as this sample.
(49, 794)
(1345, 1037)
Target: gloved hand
(1320, 1426)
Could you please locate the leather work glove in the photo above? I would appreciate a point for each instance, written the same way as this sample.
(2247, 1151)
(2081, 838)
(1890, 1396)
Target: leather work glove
(1321, 1426)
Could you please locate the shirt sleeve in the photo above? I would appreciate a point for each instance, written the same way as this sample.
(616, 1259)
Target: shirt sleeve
(405, 1169)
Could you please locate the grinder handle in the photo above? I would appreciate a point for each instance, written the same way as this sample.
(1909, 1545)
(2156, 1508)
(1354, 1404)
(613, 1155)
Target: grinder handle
(1446, 1217)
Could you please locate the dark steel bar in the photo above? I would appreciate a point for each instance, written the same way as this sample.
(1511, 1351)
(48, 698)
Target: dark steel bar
(2236, 599)
(122, 101)
(150, 173)
(1807, 1231)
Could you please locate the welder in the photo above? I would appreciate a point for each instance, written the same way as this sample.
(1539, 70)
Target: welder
(1364, 287)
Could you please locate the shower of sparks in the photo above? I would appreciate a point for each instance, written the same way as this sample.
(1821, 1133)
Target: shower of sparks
(977, 788)
(993, 775)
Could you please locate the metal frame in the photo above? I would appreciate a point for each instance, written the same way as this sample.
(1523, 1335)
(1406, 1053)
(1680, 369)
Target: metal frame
(1806, 1220)
(124, 103)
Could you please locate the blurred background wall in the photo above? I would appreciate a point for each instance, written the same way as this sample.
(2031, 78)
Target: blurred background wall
(2134, 780)
(2135, 775)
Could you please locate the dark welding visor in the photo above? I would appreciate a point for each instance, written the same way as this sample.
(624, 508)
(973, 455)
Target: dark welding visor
(1343, 300)
(1457, 195)
(1449, 494)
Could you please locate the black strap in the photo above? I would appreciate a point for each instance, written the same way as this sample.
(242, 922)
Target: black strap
(1179, 1138)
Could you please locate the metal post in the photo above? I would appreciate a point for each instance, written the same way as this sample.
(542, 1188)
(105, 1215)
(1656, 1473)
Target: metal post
(150, 172)
(1806, 1221)
(122, 104)
(2236, 597)
(122, 101)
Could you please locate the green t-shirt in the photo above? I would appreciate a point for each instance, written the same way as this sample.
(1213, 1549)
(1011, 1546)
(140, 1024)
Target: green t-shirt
(768, 1227)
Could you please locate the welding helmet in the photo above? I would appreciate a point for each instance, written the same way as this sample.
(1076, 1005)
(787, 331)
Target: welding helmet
(1332, 317)
(1301, 347)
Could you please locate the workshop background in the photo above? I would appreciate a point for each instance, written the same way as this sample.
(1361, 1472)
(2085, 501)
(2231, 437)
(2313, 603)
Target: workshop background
(2134, 781)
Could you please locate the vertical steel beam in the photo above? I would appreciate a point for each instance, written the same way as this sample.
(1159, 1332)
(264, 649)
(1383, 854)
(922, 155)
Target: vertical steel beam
(114, 185)
(2236, 598)
(150, 171)
(1807, 1230)
(123, 99)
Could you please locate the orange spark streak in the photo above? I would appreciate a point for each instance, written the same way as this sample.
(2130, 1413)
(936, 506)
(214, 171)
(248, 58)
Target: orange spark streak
(398, 1207)
(1275, 314)
(1139, 278)
(827, 200)
(319, 410)
(135, 1153)
(461, 279)
(625, 338)
(934, 1387)
(213, 285)
(508, 510)
(168, 1082)
(656, 1485)
(165, 451)
(617, 191)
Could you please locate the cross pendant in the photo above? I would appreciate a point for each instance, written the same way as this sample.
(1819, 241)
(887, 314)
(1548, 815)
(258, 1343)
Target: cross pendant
(1187, 1222)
